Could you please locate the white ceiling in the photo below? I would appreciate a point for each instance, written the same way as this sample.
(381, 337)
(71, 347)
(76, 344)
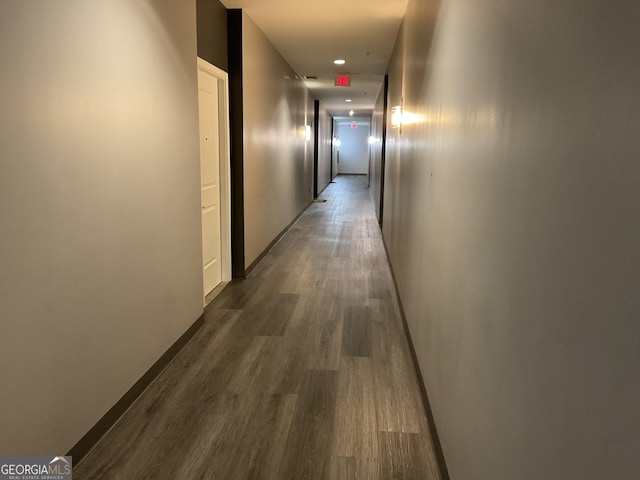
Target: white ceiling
(310, 34)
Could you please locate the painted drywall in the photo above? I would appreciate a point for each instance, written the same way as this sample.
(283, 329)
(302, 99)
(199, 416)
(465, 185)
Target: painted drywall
(324, 148)
(278, 160)
(510, 214)
(99, 205)
(212, 33)
(354, 148)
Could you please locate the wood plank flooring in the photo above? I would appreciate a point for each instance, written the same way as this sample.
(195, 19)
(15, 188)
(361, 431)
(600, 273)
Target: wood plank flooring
(301, 371)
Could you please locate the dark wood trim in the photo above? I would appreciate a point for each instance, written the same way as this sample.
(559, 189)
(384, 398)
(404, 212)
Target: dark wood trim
(255, 263)
(316, 150)
(109, 419)
(234, 30)
(211, 28)
(442, 464)
(383, 157)
(333, 122)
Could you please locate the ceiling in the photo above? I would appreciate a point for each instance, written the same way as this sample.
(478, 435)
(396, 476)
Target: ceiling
(310, 34)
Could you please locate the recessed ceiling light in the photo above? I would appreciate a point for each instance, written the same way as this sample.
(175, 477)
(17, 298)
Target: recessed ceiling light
(339, 61)
(348, 100)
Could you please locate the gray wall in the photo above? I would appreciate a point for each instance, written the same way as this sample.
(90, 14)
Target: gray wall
(212, 33)
(99, 206)
(511, 217)
(324, 149)
(278, 161)
(354, 148)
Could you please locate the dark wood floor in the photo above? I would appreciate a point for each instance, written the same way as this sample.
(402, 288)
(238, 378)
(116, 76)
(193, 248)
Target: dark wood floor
(301, 371)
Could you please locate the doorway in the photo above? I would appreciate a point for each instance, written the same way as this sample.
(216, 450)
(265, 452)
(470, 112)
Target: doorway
(354, 146)
(215, 187)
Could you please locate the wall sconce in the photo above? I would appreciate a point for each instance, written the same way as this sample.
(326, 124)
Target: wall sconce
(396, 116)
(399, 117)
(307, 133)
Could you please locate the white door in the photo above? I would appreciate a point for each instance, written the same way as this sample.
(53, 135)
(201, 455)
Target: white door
(208, 100)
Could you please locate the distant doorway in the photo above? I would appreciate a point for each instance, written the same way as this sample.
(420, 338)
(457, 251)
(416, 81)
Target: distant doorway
(353, 147)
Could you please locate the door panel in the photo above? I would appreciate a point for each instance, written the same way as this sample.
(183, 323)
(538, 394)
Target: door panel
(210, 177)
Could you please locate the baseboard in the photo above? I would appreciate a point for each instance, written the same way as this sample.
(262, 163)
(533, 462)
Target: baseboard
(442, 465)
(255, 263)
(80, 450)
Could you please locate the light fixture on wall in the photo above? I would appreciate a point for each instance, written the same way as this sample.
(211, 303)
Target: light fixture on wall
(336, 142)
(351, 112)
(339, 61)
(400, 117)
(396, 116)
(307, 133)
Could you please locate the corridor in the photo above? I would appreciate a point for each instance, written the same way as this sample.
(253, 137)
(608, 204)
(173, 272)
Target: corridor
(301, 371)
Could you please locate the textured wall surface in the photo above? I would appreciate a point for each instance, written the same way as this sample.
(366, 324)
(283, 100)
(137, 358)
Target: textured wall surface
(278, 160)
(99, 205)
(511, 209)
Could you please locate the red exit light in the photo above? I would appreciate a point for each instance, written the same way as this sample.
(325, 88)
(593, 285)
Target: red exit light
(343, 80)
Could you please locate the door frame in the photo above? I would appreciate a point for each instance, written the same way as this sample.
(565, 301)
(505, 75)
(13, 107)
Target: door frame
(225, 165)
(316, 145)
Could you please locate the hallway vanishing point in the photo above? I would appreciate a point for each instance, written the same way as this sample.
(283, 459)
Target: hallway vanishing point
(301, 371)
